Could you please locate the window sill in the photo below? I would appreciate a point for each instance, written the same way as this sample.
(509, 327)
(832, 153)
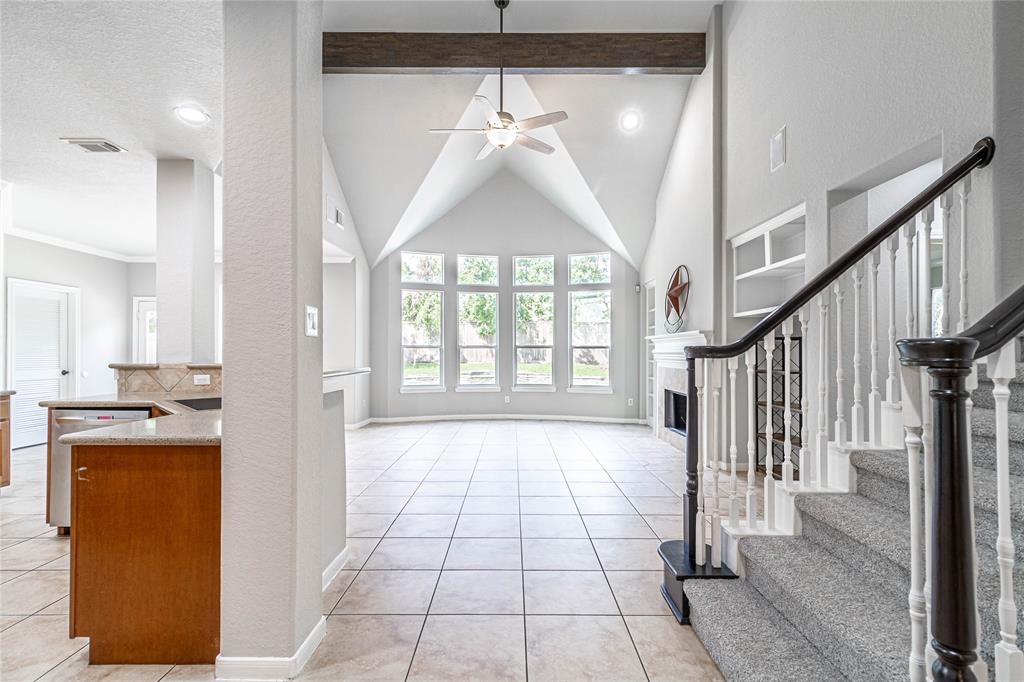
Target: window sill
(478, 389)
(536, 388)
(603, 390)
(423, 389)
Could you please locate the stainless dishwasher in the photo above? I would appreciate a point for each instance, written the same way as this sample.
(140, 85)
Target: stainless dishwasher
(58, 510)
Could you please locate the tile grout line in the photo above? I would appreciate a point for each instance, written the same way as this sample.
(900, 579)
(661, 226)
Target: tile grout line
(600, 563)
(522, 558)
(426, 615)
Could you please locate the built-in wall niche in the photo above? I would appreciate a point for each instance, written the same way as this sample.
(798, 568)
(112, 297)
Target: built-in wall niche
(768, 263)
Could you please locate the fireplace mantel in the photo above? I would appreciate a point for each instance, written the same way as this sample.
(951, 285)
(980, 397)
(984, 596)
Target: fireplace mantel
(670, 349)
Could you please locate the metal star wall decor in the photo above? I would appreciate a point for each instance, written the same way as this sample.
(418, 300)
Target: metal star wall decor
(676, 296)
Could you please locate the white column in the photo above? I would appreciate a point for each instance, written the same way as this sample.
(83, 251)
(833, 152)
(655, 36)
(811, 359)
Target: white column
(874, 395)
(840, 425)
(734, 502)
(787, 408)
(185, 306)
(944, 212)
(963, 193)
(271, 555)
(891, 382)
(769, 434)
(702, 378)
(805, 452)
(821, 442)
(857, 412)
(751, 360)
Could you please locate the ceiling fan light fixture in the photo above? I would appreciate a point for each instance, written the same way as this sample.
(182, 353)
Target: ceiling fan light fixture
(630, 121)
(501, 137)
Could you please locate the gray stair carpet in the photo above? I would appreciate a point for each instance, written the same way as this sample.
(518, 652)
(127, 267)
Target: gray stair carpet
(862, 629)
(748, 639)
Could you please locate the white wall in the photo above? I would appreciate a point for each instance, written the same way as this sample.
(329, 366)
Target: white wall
(505, 217)
(687, 226)
(858, 85)
(103, 283)
(346, 310)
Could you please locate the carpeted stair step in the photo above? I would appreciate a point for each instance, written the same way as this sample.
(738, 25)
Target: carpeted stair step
(861, 629)
(748, 638)
(984, 452)
(861, 533)
(882, 476)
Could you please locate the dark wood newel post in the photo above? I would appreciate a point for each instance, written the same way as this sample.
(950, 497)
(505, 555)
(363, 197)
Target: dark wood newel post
(954, 636)
(692, 454)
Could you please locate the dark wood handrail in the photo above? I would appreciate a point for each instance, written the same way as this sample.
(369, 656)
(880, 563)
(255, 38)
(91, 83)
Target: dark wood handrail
(979, 157)
(1000, 326)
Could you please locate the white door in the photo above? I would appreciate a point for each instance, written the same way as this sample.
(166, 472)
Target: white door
(40, 355)
(144, 330)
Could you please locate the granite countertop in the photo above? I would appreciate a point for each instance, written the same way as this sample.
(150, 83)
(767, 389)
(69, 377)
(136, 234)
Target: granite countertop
(182, 426)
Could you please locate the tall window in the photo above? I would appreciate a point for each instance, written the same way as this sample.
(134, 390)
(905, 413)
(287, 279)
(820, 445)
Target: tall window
(534, 279)
(590, 316)
(478, 321)
(422, 321)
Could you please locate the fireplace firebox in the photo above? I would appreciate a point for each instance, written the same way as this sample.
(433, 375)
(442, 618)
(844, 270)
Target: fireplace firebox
(675, 412)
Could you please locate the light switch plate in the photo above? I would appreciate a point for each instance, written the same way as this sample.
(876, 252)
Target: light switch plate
(312, 320)
(200, 379)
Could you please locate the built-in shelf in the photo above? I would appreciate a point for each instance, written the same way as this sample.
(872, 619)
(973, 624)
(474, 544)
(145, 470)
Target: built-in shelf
(769, 263)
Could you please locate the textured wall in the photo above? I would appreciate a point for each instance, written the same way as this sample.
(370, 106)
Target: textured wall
(272, 542)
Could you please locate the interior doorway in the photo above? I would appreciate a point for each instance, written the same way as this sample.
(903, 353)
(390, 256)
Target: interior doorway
(144, 329)
(42, 353)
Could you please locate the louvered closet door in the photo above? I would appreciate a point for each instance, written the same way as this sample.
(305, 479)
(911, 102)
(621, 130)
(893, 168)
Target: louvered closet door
(39, 358)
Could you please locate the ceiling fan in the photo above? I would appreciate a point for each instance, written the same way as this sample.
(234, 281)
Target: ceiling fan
(502, 129)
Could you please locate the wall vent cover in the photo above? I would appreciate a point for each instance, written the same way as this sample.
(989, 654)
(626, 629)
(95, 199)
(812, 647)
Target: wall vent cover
(93, 144)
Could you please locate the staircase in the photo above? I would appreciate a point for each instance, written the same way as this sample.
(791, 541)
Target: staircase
(832, 602)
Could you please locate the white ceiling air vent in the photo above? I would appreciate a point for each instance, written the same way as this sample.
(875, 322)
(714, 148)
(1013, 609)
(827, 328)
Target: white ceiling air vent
(93, 144)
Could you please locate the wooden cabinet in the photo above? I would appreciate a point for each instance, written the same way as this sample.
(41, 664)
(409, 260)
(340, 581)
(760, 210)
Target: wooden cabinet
(5, 440)
(145, 552)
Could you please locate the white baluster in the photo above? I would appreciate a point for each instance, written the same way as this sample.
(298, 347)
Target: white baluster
(874, 396)
(840, 376)
(909, 233)
(924, 323)
(734, 501)
(751, 358)
(821, 445)
(891, 381)
(769, 435)
(965, 190)
(701, 376)
(1009, 658)
(719, 441)
(787, 405)
(925, 272)
(857, 413)
(980, 667)
(806, 479)
(944, 210)
(912, 423)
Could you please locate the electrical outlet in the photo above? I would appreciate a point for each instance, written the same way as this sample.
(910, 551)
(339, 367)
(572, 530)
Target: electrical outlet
(629, 402)
(200, 379)
(508, 399)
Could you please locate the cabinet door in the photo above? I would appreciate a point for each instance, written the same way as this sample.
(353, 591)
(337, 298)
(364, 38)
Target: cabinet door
(145, 553)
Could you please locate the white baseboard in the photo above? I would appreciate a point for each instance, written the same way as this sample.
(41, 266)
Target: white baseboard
(272, 667)
(358, 425)
(338, 563)
(492, 417)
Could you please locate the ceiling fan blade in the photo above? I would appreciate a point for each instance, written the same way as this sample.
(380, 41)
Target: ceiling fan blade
(478, 131)
(492, 113)
(534, 144)
(485, 151)
(542, 120)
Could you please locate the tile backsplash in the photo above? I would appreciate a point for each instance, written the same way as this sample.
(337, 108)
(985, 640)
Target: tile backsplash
(165, 378)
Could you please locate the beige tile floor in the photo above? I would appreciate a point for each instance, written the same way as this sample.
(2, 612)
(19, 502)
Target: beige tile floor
(479, 551)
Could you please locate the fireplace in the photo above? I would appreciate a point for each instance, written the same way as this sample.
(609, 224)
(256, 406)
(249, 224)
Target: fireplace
(675, 411)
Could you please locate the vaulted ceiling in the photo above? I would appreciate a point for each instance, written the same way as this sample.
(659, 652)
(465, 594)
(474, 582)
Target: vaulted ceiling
(399, 179)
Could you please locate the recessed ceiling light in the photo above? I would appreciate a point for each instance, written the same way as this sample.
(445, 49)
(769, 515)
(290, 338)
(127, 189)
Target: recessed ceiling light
(630, 120)
(192, 114)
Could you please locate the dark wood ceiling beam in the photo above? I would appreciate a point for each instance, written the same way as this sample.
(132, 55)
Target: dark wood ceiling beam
(477, 53)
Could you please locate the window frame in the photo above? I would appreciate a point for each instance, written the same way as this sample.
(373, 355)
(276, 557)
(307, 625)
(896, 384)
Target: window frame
(581, 288)
(568, 273)
(494, 286)
(422, 388)
(403, 281)
(491, 290)
(550, 256)
(532, 289)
